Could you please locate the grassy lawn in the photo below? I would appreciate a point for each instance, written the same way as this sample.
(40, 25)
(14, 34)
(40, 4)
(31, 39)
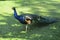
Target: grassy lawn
(11, 29)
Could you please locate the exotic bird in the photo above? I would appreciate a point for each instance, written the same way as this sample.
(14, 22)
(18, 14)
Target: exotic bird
(32, 18)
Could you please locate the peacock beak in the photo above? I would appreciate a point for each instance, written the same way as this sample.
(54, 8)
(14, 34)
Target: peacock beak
(28, 21)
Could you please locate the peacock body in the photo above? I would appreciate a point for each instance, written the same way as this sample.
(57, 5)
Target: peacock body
(32, 18)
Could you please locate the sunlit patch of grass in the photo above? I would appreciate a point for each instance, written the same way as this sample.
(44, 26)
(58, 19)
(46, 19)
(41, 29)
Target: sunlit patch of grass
(5, 6)
(2, 18)
(24, 10)
(23, 32)
(6, 14)
(53, 27)
(12, 39)
(15, 25)
(3, 23)
(35, 35)
(43, 9)
(56, 0)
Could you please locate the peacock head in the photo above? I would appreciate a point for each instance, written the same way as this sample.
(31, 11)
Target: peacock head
(13, 8)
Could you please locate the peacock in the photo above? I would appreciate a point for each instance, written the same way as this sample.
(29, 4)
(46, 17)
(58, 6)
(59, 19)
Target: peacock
(32, 18)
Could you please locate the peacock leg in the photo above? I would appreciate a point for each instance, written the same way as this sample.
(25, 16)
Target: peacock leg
(26, 27)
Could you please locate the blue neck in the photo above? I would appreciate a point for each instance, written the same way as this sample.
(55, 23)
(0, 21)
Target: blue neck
(20, 18)
(15, 14)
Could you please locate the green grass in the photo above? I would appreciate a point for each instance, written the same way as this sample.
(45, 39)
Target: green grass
(11, 29)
